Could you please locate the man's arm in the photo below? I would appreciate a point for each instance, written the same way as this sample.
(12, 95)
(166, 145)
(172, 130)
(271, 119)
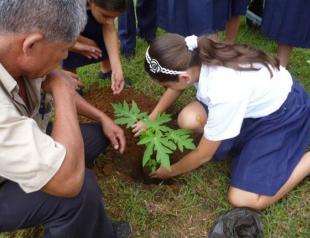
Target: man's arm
(69, 179)
(114, 133)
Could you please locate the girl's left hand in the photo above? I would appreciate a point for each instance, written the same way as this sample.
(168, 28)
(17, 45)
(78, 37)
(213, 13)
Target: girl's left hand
(118, 81)
(161, 173)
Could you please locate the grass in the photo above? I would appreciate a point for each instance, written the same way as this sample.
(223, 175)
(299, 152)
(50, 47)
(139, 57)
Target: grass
(189, 208)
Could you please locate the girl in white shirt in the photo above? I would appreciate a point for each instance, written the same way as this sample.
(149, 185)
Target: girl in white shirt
(246, 104)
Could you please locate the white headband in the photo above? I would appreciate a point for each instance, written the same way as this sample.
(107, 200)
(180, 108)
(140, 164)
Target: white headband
(191, 42)
(156, 68)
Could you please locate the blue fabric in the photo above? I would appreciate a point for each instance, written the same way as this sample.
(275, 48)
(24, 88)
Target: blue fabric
(147, 24)
(238, 7)
(287, 22)
(82, 216)
(268, 149)
(93, 30)
(187, 17)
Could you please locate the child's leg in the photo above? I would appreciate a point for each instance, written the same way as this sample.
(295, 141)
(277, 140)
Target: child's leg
(284, 53)
(231, 31)
(193, 117)
(241, 198)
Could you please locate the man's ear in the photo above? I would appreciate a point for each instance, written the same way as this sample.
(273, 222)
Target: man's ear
(30, 41)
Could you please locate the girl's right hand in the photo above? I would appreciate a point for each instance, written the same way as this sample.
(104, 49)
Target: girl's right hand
(138, 128)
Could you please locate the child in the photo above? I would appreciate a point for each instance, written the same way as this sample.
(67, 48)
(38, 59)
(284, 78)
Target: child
(246, 104)
(286, 22)
(187, 17)
(128, 29)
(99, 42)
(237, 8)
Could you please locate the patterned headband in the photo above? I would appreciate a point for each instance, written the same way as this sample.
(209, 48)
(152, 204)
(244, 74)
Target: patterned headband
(156, 68)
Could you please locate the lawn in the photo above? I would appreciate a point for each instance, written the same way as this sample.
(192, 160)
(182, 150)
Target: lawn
(189, 206)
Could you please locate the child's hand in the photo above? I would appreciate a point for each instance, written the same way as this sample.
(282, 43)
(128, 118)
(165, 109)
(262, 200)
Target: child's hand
(138, 128)
(161, 173)
(118, 81)
(89, 51)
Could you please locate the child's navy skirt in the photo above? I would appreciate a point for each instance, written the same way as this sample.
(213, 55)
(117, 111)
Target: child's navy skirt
(93, 30)
(238, 7)
(268, 149)
(287, 22)
(187, 17)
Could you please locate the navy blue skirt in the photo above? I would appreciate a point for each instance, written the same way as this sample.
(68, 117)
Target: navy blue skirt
(238, 7)
(268, 149)
(187, 17)
(287, 22)
(93, 30)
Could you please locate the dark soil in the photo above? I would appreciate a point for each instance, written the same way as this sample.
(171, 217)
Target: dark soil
(129, 163)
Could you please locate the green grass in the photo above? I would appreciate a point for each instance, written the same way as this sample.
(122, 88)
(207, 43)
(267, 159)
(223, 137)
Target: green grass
(188, 208)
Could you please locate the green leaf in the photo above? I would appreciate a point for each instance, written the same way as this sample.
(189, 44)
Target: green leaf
(147, 153)
(157, 125)
(182, 138)
(163, 159)
(126, 115)
(158, 137)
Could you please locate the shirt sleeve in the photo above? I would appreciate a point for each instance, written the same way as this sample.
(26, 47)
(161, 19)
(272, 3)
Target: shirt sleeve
(28, 156)
(224, 120)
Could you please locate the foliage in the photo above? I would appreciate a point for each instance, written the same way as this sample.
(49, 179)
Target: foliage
(158, 138)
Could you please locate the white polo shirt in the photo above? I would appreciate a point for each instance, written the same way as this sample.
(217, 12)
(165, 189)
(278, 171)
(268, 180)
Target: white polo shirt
(28, 156)
(233, 95)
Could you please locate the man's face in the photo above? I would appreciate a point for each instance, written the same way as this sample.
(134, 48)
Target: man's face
(44, 58)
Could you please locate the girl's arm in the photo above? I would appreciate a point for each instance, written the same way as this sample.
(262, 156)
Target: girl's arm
(111, 42)
(166, 100)
(203, 153)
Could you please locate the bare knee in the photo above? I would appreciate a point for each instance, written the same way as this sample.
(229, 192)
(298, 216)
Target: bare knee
(245, 199)
(192, 117)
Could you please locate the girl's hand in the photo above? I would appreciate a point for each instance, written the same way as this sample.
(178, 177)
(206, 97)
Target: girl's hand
(88, 50)
(138, 128)
(161, 173)
(118, 81)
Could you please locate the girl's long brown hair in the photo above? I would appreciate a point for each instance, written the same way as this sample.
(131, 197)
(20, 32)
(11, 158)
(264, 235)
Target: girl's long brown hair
(171, 52)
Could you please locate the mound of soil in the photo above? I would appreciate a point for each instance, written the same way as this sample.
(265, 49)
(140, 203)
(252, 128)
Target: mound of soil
(129, 163)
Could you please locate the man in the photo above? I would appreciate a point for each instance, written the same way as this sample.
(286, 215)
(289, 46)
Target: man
(43, 179)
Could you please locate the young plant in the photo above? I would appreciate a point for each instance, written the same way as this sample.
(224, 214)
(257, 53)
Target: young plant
(158, 137)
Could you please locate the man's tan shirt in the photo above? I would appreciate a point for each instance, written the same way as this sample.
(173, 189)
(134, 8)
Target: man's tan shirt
(28, 156)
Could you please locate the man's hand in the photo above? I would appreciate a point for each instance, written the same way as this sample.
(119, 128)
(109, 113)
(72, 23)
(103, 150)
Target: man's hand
(75, 79)
(59, 79)
(115, 134)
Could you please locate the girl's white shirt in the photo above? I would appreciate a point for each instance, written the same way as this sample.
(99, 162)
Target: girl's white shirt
(233, 95)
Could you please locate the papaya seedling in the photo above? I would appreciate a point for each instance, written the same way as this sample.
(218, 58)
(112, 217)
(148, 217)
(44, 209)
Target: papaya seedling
(159, 139)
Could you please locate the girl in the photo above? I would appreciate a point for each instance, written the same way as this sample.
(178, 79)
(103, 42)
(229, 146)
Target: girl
(246, 104)
(187, 17)
(286, 22)
(237, 8)
(99, 42)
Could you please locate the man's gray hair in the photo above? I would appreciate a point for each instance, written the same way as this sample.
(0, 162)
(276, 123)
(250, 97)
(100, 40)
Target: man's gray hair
(58, 20)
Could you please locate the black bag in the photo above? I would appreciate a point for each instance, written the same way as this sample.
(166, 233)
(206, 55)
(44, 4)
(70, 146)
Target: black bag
(237, 223)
